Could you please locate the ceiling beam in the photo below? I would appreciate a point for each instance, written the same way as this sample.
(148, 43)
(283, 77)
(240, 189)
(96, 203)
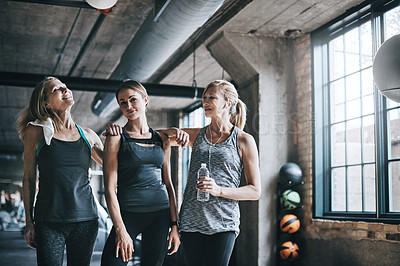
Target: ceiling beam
(98, 85)
(79, 4)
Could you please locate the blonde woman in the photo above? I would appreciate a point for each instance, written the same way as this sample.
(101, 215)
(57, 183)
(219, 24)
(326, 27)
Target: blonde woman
(65, 211)
(209, 228)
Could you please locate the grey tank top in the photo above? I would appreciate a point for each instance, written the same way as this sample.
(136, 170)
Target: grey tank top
(225, 166)
(64, 194)
(140, 183)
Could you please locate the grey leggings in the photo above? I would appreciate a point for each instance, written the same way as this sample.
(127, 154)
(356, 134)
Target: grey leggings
(79, 237)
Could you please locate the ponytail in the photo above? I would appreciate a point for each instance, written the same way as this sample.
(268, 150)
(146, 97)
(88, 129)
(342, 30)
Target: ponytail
(238, 114)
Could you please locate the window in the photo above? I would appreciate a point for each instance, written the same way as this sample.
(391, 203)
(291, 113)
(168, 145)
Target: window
(194, 119)
(357, 138)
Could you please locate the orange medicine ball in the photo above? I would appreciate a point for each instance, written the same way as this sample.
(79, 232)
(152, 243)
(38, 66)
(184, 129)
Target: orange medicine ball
(290, 223)
(289, 251)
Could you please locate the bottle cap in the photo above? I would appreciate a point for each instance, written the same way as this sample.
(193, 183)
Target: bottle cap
(203, 165)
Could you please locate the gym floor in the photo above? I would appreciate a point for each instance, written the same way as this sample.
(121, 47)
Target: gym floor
(14, 251)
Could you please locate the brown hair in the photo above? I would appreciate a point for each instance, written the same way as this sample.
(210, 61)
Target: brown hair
(37, 108)
(238, 108)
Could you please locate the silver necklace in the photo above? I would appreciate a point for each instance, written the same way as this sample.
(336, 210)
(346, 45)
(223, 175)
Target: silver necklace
(222, 133)
(212, 145)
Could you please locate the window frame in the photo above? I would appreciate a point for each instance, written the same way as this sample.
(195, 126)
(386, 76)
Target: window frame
(368, 11)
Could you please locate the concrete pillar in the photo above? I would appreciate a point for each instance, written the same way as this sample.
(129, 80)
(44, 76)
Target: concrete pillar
(263, 70)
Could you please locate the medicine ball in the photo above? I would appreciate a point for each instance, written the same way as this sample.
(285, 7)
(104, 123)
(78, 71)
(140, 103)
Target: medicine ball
(289, 251)
(290, 173)
(290, 223)
(290, 199)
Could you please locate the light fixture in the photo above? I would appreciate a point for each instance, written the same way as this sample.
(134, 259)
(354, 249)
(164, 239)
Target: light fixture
(102, 4)
(386, 68)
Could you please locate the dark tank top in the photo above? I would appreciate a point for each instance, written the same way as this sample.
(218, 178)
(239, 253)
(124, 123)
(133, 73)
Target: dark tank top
(140, 184)
(64, 191)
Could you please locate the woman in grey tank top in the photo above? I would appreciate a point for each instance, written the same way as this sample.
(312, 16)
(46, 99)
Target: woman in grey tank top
(209, 228)
(138, 187)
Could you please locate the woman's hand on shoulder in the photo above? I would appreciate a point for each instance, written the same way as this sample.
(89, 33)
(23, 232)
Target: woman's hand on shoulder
(177, 136)
(113, 130)
(181, 138)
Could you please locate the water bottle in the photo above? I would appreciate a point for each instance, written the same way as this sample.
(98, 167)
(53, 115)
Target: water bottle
(203, 172)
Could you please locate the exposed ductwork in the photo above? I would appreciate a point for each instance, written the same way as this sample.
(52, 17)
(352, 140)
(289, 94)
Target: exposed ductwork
(157, 39)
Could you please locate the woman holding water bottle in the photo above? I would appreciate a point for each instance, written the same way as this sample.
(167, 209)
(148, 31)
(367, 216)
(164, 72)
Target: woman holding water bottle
(210, 210)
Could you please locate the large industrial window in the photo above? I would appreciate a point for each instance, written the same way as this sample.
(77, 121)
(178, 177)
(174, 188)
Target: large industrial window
(357, 138)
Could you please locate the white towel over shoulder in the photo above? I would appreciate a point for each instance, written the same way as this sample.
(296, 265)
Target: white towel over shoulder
(48, 128)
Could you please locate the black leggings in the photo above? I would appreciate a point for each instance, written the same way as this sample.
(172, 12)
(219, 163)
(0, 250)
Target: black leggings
(79, 237)
(207, 250)
(154, 227)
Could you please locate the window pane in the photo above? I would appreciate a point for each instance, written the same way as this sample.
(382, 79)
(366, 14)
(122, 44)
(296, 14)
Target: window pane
(394, 186)
(392, 25)
(353, 108)
(337, 101)
(394, 133)
(338, 189)
(368, 134)
(352, 46)
(368, 105)
(369, 188)
(391, 104)
(367, 82)
(366, 44)
(353, 87)
(338, 144)
(336, 57)
(354, 188)
(353, 139)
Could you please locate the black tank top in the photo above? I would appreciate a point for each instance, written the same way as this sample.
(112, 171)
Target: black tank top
(140, 183)
(64, 191)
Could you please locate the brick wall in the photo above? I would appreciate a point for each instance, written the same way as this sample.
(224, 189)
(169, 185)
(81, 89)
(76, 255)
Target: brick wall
(304, 118)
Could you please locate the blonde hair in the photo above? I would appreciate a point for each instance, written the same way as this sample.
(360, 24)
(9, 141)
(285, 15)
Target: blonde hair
(134, 85)
(238, 109)
(37, 108)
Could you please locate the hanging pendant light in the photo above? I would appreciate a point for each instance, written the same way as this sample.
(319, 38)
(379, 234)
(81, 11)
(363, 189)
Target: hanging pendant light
(386, 68)
(102, 4)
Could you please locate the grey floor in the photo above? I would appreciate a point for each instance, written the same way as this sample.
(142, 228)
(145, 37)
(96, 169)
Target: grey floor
(14, 251)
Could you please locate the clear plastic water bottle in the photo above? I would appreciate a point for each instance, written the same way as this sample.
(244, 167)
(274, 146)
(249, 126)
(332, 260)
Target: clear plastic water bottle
(203, 172)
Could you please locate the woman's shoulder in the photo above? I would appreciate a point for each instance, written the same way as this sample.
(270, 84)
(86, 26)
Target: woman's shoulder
(90, 134)
(33, 135)
(245, 139)
(34, 132)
